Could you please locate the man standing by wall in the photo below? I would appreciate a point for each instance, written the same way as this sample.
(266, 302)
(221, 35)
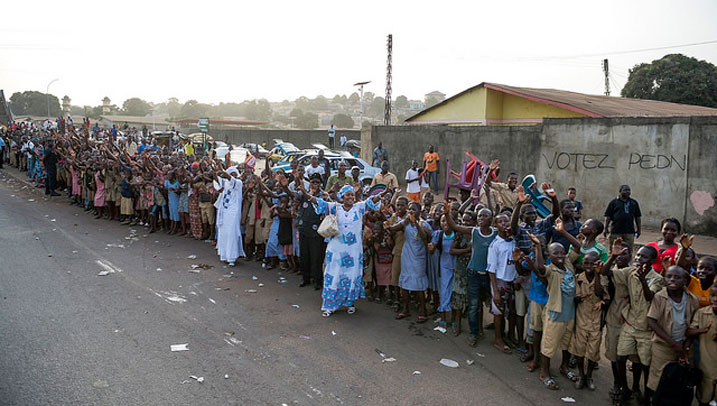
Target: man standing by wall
(379, 155)
(332, 137)
(623, 217)
(413, 182)
(385, 177)
(430, 162)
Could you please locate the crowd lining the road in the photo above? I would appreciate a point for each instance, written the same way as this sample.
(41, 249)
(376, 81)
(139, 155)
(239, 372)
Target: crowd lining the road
(549, 284)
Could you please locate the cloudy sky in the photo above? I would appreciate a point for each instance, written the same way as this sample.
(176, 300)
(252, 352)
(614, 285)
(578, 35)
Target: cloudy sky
(216, 51)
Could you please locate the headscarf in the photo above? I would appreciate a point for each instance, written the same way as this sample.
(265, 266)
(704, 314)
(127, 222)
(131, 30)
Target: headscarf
(346, 188)
(232, 170)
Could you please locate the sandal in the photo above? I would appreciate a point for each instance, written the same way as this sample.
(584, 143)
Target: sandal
(400, 316)
(532, 367)
(525, 357)
(455, 330)
(351, 310)
(421, 319)
(325, 313)
(569, 374)
(549, 383)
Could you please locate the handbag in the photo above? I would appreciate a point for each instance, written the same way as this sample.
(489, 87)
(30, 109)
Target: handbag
(329, 226)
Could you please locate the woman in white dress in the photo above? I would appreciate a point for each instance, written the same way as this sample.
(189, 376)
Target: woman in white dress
(229, 241)
(343, 274)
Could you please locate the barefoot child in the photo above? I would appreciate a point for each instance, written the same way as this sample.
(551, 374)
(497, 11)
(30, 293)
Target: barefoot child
(670, 314)
(704, 326)
(641, 282)
(382, 258)
(502, 272)
(398, 239)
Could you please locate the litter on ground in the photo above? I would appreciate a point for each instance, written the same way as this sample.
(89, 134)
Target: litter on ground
(179, 347)
(449, 363)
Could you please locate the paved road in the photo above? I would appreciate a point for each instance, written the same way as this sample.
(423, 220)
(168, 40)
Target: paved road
(68, 336)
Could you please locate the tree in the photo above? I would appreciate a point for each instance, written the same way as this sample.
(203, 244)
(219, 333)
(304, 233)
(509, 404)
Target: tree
(375, 109)
(280, 118)
(343, 121)
(354, 98)
(136, 107)
(431, 101)
(194, 109)
(319, 104)
(401, 102)
(675, 78)
(296, 112)
(34, 104)
(368, 97)
(307, 121)
(303, 103)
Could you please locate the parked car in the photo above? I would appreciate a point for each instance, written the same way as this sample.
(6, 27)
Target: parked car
(366, 174)
(280, 149)
(237, 155)
(256, 149)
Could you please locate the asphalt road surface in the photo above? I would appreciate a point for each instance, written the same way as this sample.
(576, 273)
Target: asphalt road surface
(71, 337)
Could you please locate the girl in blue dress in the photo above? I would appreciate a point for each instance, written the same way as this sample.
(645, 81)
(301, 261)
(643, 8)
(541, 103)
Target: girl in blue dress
(442, 242)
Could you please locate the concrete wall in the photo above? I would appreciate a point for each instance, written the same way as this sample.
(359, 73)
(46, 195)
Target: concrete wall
(509, 144)
(300, 138)
(670, 163)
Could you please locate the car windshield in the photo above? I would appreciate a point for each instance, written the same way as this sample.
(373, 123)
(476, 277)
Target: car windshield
(288, 147)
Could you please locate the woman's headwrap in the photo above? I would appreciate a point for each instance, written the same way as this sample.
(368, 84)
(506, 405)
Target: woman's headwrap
(232, 170)
(346, 188)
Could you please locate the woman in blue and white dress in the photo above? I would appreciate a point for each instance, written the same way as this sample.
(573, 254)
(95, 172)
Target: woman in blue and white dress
(343, 274)
(229, 241)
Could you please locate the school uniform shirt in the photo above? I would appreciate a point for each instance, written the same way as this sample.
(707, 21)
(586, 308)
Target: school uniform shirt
(398, 237)
(635, 313)
(334, 179)
(540, 229)
(555, 277)
(506, 197)
(622, 214)
(663, 310)
(480, 244)
(707, 345)
(620, 300)
(703, 295)
(500, 259)
(388, 179)
(587, 319)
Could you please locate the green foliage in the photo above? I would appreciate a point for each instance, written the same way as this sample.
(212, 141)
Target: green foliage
(342, 120)
(354, 98)
(376, 107)
(307, 121)
(34, 104)
(674, 78)
(136, 107)
(194, 109)
(401, 102)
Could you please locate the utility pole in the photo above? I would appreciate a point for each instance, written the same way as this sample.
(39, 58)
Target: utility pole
(387, 107)
(606, 69)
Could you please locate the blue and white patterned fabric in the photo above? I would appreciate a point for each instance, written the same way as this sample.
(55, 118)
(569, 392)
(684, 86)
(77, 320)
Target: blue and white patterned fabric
(343, 276)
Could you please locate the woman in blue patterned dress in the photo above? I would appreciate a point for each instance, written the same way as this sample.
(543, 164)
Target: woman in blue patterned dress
(343, 274)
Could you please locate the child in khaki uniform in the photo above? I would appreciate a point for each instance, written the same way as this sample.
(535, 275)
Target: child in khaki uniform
(587, 337)
(670, 313)
(559, 313)
(704, 325)
(642, 282)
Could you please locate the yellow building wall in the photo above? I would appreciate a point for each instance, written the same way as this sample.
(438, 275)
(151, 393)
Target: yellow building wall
(498, 108)
(469, 106)
(516, 107)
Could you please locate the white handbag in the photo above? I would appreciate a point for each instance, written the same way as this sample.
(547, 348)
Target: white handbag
(329, 226)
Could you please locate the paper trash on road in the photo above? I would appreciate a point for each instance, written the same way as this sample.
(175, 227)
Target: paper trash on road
(179, 347)
(305, 337)
(480, 355)
(193, 270)
(226, 376)
(192, 257)
(441, 329)
(416, 373)
(568, 399)
(212, 300)
(261, 285)
(389, 359)
(470, 362)
(449, 363)
(295, 306)
(250, 291)
(199, 379)
(254, 278)
(104, 273)
(333, 333)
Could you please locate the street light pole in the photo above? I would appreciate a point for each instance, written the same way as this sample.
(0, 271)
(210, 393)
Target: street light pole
(47, 93)
(360, 85)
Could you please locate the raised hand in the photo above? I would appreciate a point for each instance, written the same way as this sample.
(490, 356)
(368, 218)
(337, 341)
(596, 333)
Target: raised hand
(548, 189)
(581, 238)
(643, 270)
(666, 262)
(475, 194)
(534, 239)
(517, 255)
(617, 248)
(522, 196)
(686, 241)
(494, 165)
(559, 225)
(447, 209)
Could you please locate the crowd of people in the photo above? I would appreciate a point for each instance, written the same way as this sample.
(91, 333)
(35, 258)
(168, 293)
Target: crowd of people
(550, 285)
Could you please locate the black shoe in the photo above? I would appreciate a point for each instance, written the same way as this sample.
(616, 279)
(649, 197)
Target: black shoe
(317, 287)
(303, 283)
(54, 194)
